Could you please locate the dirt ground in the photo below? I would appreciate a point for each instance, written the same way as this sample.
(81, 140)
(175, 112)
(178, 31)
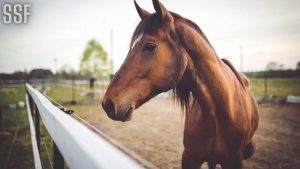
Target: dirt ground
(155, 133)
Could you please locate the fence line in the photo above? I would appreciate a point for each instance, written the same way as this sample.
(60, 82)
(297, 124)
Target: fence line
(36, 155)
(54, 81)
(79, 146)
(130, 153)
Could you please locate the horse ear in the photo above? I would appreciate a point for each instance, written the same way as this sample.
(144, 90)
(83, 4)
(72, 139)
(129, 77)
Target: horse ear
(162, 11)
(143, 13)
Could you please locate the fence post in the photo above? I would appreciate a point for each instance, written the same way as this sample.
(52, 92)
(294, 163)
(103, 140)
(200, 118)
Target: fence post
(73, 90)
(266, 84)
(37, 127)
(58, 160)
(30, 104)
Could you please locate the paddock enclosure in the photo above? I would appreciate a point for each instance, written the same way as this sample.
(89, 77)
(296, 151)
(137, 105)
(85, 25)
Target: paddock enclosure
(153, 135)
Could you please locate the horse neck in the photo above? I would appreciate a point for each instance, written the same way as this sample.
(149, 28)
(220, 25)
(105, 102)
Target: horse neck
(204, 74)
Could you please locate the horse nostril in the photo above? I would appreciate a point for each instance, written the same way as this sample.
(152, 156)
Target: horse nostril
(109, 107)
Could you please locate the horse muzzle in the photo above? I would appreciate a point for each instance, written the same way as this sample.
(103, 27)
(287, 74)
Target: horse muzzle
(119, 113)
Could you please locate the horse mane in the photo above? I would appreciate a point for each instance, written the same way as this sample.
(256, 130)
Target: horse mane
(193, 25)
(151, 22)
(180, 93)
(237, 74)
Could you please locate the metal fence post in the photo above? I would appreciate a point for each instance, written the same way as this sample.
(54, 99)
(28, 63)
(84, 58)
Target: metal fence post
(58, 159)
(37, 126)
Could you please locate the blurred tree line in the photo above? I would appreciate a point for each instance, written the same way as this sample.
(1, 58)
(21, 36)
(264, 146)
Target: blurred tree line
(23, 75)
(275, 74)
(276, 70)
(67, 72)
(94, 63)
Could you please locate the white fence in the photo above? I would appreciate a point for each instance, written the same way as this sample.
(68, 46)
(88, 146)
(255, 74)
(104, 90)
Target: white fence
(80, 147)
(293, 99)
(36, 155)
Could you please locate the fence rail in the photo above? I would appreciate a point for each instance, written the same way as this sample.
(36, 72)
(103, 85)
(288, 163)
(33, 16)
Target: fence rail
(35, 149)
(78, 146)
(54, 81)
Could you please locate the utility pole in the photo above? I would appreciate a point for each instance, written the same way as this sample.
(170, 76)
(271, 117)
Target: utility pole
(55, 62)
(55, 71)
(241, 57)
(111, 52)
(266, 83)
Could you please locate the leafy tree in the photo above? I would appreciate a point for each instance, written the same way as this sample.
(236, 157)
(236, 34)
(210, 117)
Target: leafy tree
(40, 74)
(272, 66)
(66, 71)
(94, 62)
(298, 66)
(18, 75)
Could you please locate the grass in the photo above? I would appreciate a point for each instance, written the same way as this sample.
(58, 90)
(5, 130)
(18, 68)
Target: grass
(63, 94)
(15, 147)
(276, 87)
(11, 94)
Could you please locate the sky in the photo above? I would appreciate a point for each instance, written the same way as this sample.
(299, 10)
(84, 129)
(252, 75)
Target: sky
(262, 30)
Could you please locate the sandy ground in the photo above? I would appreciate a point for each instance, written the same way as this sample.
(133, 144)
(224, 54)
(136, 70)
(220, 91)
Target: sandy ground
(155, 133)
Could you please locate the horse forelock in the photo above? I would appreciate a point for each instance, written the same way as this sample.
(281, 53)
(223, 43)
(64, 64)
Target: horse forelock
(147, 25)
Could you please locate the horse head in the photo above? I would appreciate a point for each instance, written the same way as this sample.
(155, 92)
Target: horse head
(155, 63)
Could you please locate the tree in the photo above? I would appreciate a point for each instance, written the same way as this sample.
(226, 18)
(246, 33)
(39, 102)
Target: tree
(94, 62)
(18, 75)
(66, 68)
(40, 74)
(281, 67)
(298, 66)
(66, 71)
(272, 66)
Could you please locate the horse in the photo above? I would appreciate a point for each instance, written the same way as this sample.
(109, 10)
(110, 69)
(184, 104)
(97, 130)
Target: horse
(170, 52)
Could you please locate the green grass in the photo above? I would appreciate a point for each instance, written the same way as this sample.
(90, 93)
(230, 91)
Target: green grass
(20, 155)
(14, 93)
(63, 94)
(276, 87)
(11, 94)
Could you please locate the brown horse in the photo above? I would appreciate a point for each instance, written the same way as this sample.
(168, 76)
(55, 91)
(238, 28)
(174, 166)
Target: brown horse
(167, 52)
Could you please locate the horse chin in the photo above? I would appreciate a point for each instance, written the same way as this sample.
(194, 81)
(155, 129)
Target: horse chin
(128, 115)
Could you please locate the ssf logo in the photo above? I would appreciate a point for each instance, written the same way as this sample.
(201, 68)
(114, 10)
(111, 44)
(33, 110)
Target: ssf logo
(15, 13)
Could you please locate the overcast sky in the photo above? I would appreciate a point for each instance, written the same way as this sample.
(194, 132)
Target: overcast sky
(268, 30)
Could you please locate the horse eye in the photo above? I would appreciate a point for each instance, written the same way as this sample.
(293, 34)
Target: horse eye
(149, 47)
